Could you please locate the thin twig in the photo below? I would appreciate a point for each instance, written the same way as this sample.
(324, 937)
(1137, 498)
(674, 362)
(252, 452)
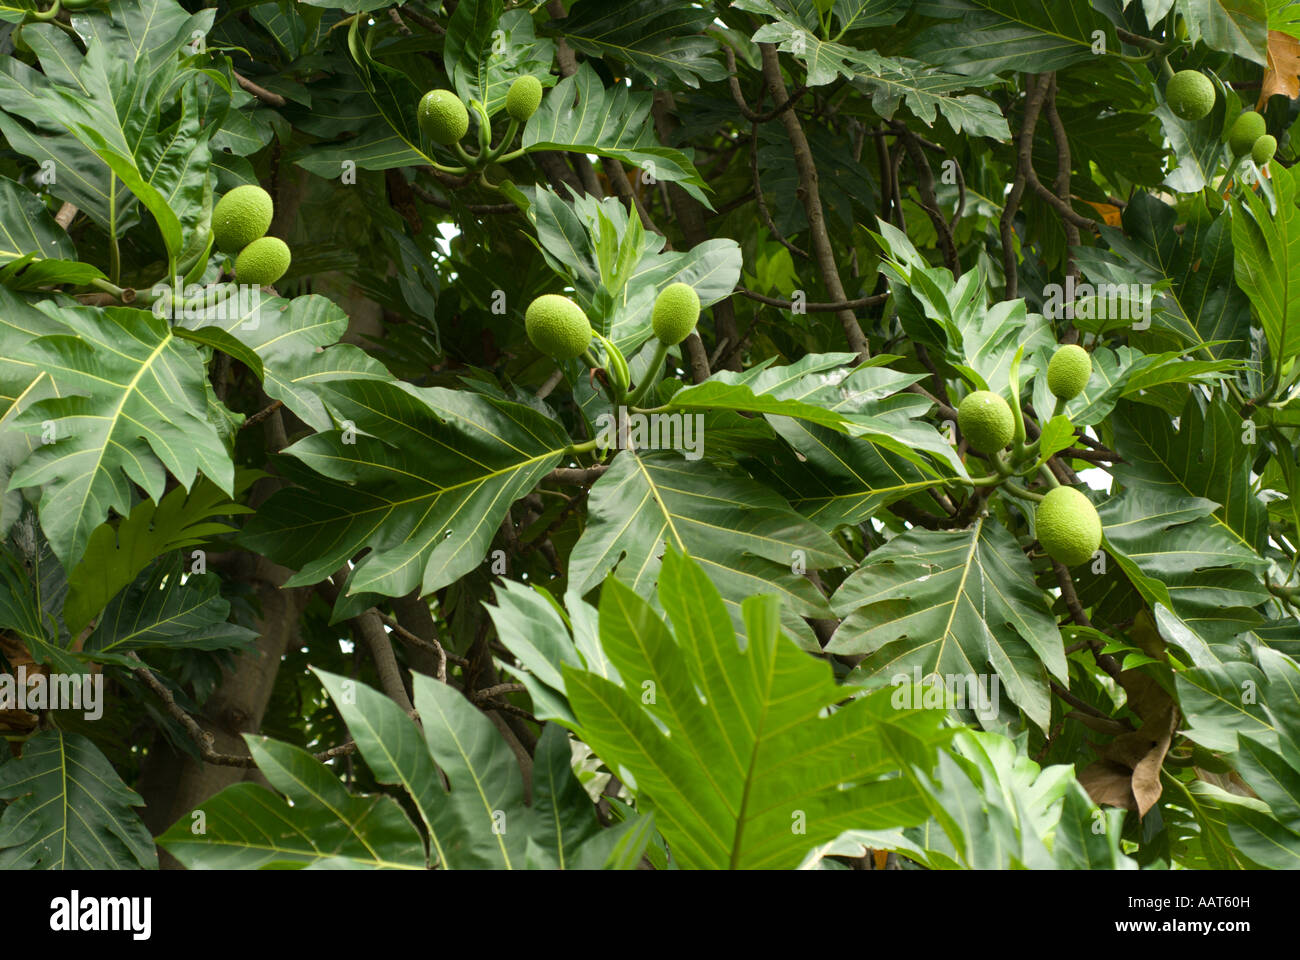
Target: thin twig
(841, 305)
(261, 93)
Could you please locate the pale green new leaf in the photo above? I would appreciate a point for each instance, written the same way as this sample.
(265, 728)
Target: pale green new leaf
(1268, 261)
(732, 745)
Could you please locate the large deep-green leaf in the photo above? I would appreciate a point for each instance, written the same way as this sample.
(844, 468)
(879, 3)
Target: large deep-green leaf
(486, 50)
(665, 40)
(953, 602)
(316, 822)
(69, 810)
(742, 533)
(889, 80)
(423, 477)
(1238, 27)
(293, 344)
(991, 36)
(582, 116)
(733, 749)
(132, 407)
(166, 608)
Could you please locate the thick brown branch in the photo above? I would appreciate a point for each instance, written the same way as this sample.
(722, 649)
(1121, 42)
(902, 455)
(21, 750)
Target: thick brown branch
(810, 194)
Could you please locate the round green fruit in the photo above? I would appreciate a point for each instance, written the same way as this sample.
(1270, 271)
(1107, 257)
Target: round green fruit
(1068, 371)
(1068, 526)
(677, 309)
(240, 217)
(1245, 130)
(557, 327)
(262, 262)
(1263, 150)
(1190, 94)
(523, 98)
(442, 117)
(986, 421)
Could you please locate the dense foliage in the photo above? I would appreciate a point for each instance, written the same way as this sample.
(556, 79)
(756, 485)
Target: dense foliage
(650, 433)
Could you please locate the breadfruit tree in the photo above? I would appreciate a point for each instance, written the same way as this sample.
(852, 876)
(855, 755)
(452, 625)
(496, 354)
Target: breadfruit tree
(606, 433)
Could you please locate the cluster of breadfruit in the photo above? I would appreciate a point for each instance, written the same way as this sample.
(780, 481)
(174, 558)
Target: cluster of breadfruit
(444, 118)
(239, 224)
(559, 328)
(1190, 95)
(1065, 520)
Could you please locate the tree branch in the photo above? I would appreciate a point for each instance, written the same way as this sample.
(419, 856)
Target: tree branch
(810, 194)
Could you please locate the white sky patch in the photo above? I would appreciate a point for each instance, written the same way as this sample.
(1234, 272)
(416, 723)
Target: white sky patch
(449, 232)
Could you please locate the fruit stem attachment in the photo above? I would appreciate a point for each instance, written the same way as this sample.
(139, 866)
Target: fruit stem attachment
(1031, 449)
(49, 14)
(484, 128)
(584, 447)
(470, 162)
(511, 129)
(1050, 477)
(1017, 490)
(651, 376)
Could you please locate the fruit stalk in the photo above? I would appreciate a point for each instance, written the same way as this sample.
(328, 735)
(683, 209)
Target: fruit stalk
(651, 376)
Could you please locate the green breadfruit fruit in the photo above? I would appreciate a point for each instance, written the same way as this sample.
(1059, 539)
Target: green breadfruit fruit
(1263, 150)
(1068, 371)
(262, 262)
(1190, 94)
(557, 327)
(986, 421)
(240, 217)
(523, 98)
(677, 309)
(443, 117)
(1068, 526)
(1245, 130)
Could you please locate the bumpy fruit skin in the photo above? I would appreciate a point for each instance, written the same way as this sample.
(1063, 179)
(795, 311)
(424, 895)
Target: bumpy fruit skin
(523, 98)
(986, 421)
(442, 117)
(1190, 94)
(557, 327)
(262, 262)
(1263, 150)
(1246, 129)
(1068, 526)
(677, 309)
(240, 217)
(1068, 371)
